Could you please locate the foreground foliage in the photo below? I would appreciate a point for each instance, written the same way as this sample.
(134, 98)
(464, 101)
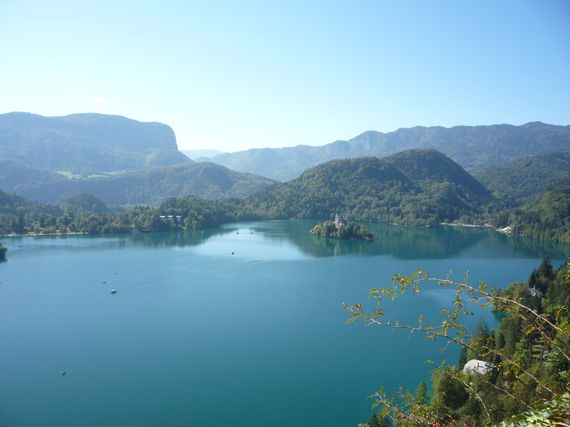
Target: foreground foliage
(529, 353)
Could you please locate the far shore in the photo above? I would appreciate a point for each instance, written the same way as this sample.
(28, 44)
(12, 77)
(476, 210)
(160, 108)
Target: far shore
(461, 224)
(71, 233)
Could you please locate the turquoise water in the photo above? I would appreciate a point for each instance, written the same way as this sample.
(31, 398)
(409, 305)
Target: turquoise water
(238, 326)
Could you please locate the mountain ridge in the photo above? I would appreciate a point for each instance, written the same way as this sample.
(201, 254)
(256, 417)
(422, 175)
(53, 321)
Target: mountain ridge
(87, 143)
(149, 186)
(393, 189)
(473, 147)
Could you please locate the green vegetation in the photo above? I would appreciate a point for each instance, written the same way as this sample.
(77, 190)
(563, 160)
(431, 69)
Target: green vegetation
(346, 231)
(528, 354)
(473, 147)
(417, 187)
(84, 202)
(85, 214)
(149, 186)
(547, 216)
(522, 180)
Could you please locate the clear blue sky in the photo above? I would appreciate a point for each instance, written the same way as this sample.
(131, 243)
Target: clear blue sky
(238, 74)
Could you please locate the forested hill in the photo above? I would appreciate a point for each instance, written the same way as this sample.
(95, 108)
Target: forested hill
(86, 214)
(417, 187)
(149, 186)
(547, 216)
(87, 143)
(526, 178)
(473, 147)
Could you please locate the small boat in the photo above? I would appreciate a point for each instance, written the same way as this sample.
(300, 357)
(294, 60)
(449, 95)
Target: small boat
(64, 373)
(113, 291)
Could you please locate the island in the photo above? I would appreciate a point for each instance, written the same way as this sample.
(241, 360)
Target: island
(340, 229)
(2, 252)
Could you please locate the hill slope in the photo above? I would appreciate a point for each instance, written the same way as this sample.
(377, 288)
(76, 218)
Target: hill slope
(473, 147)
(416, 187)
(547, 216)
(149, 186)
(526, 178)
(87, 143)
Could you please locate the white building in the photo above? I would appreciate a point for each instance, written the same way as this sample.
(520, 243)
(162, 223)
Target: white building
(475, 366)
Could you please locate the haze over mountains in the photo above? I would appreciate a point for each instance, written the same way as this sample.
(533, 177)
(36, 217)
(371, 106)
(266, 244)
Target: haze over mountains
(201, 154)
(147, 186)
(87, 143)
(126, 162)
(85, 162)
(121, 161)
(473, 147)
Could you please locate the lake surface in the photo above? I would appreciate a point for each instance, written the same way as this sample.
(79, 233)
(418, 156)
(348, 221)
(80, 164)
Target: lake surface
(240, 326)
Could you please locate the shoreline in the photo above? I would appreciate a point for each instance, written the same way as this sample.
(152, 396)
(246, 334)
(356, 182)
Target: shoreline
(75, 233)
(461, 224)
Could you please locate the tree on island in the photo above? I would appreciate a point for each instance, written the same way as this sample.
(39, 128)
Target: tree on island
(339, 229)
(528, 354)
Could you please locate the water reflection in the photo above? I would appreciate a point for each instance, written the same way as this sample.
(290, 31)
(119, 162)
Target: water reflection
(177, 239)
(532, 247)
(405, 243)
(410, 242)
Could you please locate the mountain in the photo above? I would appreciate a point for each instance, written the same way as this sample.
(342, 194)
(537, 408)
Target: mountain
(421, 186)
(526, 178)
(87, 143)
(546, 216)
(201, 154)
(17, 177)
(84, 203)
(149, 186)
(473, 147)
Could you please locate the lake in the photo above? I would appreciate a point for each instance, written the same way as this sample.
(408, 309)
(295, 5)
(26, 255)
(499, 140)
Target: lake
(238, 326)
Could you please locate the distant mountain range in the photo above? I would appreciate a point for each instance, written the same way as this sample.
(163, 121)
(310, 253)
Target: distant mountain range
(119, 160)
(420, 186)
(473, 147)
(149, 186)
(415, 187)
(125, 162)
(87, 143)
(201, 154)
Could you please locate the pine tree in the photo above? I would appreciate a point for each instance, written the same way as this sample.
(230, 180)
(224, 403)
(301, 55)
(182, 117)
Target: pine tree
(462, 357)
(421, 394)
(379, 420)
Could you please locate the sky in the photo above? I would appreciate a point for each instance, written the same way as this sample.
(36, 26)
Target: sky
(233, 75)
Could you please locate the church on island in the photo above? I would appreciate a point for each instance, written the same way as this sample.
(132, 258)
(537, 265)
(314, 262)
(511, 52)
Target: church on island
(339, 222)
